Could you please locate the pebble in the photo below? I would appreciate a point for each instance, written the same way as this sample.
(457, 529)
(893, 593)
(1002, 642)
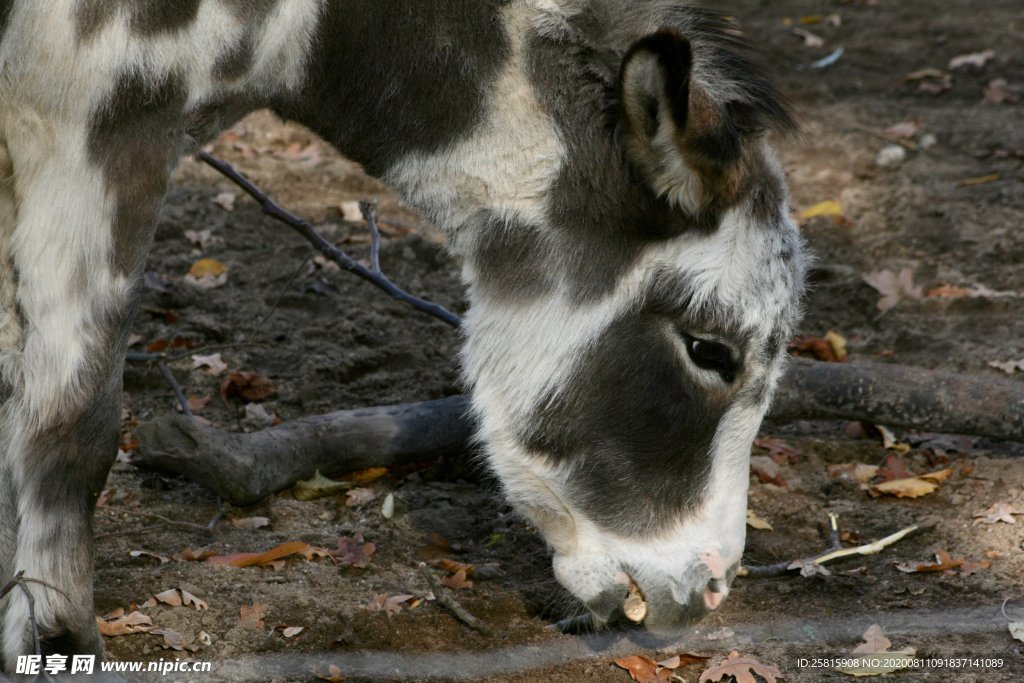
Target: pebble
(927, 141)
(890, 156)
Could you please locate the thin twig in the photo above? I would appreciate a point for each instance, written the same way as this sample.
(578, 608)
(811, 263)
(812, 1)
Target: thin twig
(165, 520)
(833, 552)
(175, 387)
(306, 229)
(32, 617)
(369, 212)
(448, 601)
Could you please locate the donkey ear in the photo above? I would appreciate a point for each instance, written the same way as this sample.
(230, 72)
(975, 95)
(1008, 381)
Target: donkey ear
(674, 132)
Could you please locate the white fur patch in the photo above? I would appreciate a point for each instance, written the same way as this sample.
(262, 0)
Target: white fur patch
(507, 165)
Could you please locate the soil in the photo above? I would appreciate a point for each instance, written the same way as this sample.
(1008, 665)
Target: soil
(328, 341)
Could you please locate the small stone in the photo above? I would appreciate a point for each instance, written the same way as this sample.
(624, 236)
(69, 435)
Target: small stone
(927, 141)
(890, 156)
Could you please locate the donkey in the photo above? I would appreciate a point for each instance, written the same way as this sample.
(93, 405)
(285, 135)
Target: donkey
(601, 167)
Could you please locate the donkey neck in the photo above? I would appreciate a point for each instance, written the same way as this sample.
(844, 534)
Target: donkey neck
(440, 106)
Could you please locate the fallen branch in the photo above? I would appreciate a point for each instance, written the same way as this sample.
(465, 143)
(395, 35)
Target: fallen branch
(902, 396)
(246, 467)
(834, 551)
(243, 468)
(448, 601)
(324, 246)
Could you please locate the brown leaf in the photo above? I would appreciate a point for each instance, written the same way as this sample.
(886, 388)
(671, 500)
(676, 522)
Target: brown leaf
(644, 670)
(891, 469)
(334, 675)
(388, 604)
(974, 59)
(998, 91)
(893, 287)
(853, 472)
(943, 562)
(265, 558)
(124, 624)
(153, 556)
(251, 386)
(251, 616)
(778, 450)
(453, 567)
(174, 640)
(911, 487)
(813, 347)
(767, 470)
(741, 668)
(1009, 367)
(999, 512)
(359, 496)
(950, 292)
(354, 551)
(250, 523)
(189, 555)
(904, 129)
(971, 567)
(865, 659)
(457, 581)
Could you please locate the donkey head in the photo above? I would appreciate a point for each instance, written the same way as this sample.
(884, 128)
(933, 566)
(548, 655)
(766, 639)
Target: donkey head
(624, 340)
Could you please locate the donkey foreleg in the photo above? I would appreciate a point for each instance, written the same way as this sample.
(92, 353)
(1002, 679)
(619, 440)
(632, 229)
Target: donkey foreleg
(75, 291)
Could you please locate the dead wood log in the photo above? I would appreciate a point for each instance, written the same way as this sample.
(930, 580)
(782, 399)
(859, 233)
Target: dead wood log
(242, 468)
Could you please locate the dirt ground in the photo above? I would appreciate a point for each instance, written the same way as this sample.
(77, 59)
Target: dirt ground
(328, 341)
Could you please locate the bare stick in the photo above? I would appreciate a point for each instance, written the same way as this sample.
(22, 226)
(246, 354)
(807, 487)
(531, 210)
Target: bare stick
(369, 212)
(304, 228)
(175, 387)
(243, 468)
(448, 601)
(32, 617)
(831, 553)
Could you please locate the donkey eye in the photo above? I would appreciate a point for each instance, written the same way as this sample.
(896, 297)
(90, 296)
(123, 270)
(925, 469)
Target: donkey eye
(711, 355)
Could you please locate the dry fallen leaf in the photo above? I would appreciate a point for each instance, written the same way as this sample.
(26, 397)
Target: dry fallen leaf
(457, 581)
(944, 562)
(644, 670)
(999, 512)
(251, 616)
(868, 653)
(393, 604)
(767, 470)
(272, 557)
(354, 551)
(334, 675)
(359, 496)
(226, 200)
(1009, 367)
(176, 597)
(213, 363)
(153, 556)
(855, 472)
(931, 81)
(829, 207)
(893, 287)
(124, 624)
(174, 640)
(755, 522)
(810, 40)
(207, 273)
(251, 386)
(911, 487)
(742, 669)
(250, 523)
(904, 129)
(998, 91)
(778, 450)
(974, 59)
(318, 486)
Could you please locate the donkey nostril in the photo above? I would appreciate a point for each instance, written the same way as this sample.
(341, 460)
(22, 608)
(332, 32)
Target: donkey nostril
(715, 593)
